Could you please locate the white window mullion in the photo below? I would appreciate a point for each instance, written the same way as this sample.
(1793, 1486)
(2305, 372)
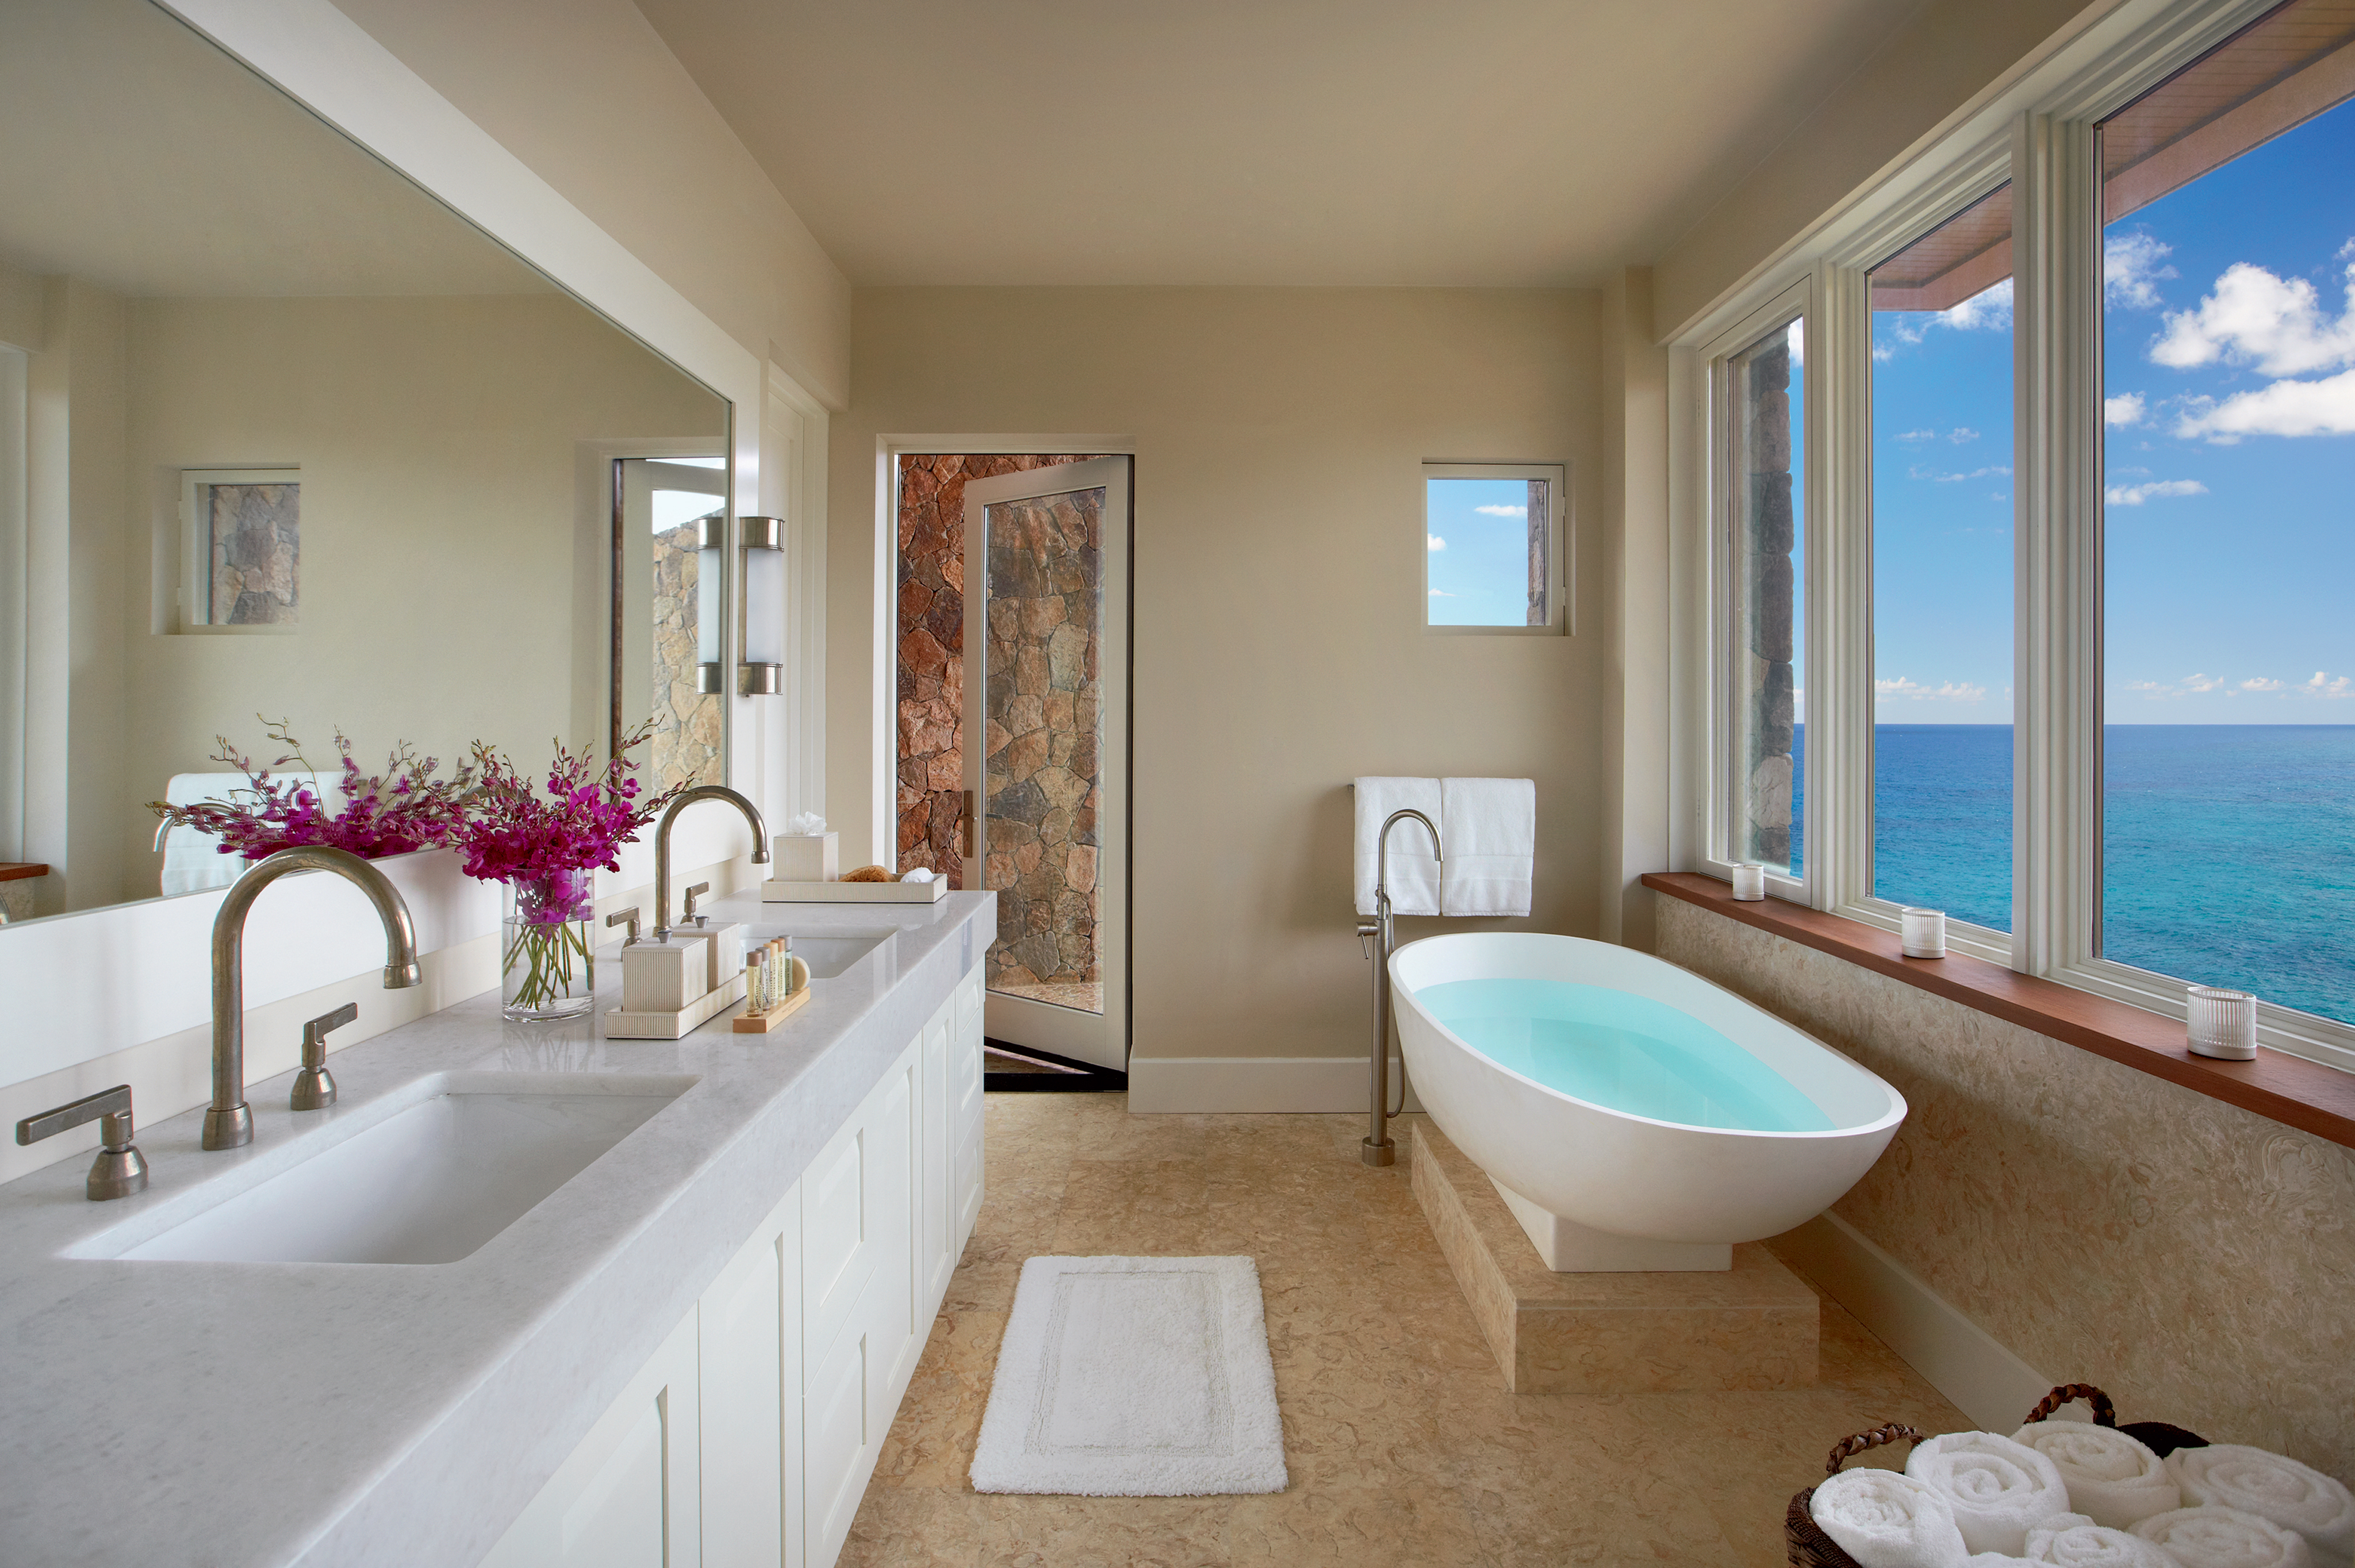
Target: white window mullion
(2057, 520)
(1840, 593)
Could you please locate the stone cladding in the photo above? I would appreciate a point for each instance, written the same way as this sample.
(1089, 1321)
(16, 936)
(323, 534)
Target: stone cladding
(687, 735)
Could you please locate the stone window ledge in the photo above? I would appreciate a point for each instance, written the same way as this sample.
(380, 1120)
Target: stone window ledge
(2288, 1089)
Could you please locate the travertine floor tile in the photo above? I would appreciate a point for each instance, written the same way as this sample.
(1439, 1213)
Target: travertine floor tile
(1401, 1448)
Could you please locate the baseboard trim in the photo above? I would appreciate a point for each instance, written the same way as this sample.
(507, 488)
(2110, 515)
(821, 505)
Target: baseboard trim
(1961, 1360)
(1226, 1083)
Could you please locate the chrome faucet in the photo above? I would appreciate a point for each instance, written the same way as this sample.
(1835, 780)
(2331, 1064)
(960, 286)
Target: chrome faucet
(1377, 1148)
(662, 843)
(228, 1122)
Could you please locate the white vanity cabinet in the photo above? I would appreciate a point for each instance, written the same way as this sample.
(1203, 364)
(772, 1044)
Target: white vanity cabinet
(749, 1438)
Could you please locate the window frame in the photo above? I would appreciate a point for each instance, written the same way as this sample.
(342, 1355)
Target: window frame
(2038, 132)
(1561, 572)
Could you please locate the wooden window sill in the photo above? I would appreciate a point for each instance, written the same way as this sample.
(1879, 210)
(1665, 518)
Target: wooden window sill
(2288, 1089)
(17, 870)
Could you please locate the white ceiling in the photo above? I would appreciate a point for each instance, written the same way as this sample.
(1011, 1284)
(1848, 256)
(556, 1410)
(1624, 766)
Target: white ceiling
(141, 157)
(1276, 141)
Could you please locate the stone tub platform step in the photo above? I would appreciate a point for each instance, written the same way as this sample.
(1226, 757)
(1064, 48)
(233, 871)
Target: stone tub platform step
(1752, 1327)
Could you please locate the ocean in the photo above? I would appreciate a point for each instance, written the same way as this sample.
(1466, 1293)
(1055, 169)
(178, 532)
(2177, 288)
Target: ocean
(2228, 850)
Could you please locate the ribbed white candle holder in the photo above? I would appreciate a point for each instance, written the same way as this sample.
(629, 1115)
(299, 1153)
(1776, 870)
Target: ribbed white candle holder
(2222, 1023)
(1922, 932)
(1749, 881)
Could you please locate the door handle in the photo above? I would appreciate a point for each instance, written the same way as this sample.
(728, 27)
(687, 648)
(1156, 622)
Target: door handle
(965, 827)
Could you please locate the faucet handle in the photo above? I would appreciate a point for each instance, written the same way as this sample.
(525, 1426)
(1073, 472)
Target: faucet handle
(628, 917)
(315, 1086)
(119, 1170)
(1367, 930)
(692, 894)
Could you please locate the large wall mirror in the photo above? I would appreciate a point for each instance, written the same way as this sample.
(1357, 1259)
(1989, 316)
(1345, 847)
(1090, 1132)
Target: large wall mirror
(283, 437)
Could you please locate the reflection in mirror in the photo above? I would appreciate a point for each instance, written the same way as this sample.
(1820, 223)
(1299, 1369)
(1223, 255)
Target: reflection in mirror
(281, 435)
(670, 540)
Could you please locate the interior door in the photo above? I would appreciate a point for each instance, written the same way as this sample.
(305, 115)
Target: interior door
(1046, 691)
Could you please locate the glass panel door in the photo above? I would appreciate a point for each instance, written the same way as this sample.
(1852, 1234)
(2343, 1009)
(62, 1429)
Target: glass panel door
(1045, 690)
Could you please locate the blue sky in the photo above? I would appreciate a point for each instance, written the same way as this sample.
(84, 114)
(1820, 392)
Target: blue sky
(2230, 519)
(1476, 535)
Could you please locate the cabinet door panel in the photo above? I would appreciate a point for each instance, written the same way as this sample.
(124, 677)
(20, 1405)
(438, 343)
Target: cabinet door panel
(838, 1257)
(895, 1163)
(935, 1208)
(840, 1444)
(747, 1400)
(630, 1494)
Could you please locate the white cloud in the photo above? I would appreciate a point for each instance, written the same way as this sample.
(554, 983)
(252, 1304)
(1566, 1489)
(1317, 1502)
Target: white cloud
(1989, 310)
(1520, 511)
(2322, 686)
(1798, 338)
(2131, 270)
(2259, 683)
(1963, 433)
(1936, 477)
(2189, 686)
(1916, 435)
(1433, 543)
(2285, 408)
(2135, 495)
(1442, 593)
(2126, 409)
(1951, 691)
(2256, 317)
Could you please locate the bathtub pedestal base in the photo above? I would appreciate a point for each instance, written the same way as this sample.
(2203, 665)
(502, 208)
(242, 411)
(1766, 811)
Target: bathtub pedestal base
(1569, 1247)
(1753, 1325)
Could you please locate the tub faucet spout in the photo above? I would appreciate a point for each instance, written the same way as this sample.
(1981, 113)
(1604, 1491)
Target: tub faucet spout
(1376, 1148)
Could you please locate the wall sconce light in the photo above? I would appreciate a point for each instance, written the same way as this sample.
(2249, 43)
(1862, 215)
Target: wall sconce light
(763, 668)
(710, 603)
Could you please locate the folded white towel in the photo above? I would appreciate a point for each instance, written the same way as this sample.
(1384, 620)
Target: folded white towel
(1998, 1489)
(2212, 1537)
(1489, 830)
(2294, 1496)
(1414, 870)
(1884, 1520)
(2094, 1546)
(2111, 1478)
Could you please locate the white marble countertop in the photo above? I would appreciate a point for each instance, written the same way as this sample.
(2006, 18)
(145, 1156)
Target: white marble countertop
(255, 1414)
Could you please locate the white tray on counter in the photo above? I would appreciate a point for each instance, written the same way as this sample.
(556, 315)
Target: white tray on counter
(854, 892)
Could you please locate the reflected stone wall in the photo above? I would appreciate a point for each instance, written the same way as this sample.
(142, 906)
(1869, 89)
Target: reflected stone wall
(685, 747)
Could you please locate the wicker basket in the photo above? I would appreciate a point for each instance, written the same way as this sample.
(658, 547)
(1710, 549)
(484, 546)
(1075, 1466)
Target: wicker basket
(1802, 1539)
(1808, 1546)
(2156, 1435)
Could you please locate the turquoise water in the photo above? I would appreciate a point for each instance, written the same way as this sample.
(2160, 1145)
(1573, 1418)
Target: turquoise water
(1625, 1052)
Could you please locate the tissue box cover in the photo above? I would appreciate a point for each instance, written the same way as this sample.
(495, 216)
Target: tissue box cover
(807, 857)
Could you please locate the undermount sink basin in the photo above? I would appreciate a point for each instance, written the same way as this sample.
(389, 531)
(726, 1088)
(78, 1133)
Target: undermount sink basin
(468, 1155)
(827, 954)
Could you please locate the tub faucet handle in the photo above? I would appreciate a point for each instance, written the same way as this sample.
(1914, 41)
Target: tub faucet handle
(1367, 930)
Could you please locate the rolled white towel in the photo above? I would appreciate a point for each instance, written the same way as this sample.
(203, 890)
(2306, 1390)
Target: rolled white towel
(2094, 1546)
(2212, 1537)
(2294, 1496)
(2111, 1478)
(1884, 1520)
(2000, 1489)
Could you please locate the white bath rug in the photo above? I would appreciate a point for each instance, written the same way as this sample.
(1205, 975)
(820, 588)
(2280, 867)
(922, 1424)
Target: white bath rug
(1133, 1378)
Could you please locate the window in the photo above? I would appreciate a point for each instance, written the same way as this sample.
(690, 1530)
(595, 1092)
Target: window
(244, 548)
(1942, 567)
(1494, 555)
(2056, 638)
(2228, 337)
(1762, 456)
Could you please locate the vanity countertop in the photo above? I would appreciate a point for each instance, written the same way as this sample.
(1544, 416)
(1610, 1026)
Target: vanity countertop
(255, 1414)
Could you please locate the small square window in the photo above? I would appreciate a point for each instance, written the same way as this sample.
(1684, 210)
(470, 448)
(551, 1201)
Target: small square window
(1495, 555)
(244, 548)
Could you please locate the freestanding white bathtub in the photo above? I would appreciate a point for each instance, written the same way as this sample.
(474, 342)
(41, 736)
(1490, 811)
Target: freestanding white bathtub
(1633, 1115)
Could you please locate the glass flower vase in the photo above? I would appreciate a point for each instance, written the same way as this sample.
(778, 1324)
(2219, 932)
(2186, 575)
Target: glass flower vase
(550, 964)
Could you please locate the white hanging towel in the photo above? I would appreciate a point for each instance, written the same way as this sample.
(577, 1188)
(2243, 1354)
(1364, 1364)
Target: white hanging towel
(1488, 828)
(1414, 872)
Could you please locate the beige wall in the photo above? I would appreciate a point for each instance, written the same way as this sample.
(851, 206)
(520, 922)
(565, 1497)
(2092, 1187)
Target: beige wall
(588, 96)
(444, 546)
(1279, 652)
(2194, 1260)
(1953, 56)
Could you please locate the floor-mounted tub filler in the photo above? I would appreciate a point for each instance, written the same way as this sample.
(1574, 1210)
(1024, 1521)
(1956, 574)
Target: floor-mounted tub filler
(1633, 1116)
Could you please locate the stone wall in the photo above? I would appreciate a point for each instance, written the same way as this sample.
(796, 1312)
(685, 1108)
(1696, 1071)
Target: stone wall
(1040, 762)
(257, 553)
(930, 644)
(687, 742)
(2193, 1259)
(1767, 592)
